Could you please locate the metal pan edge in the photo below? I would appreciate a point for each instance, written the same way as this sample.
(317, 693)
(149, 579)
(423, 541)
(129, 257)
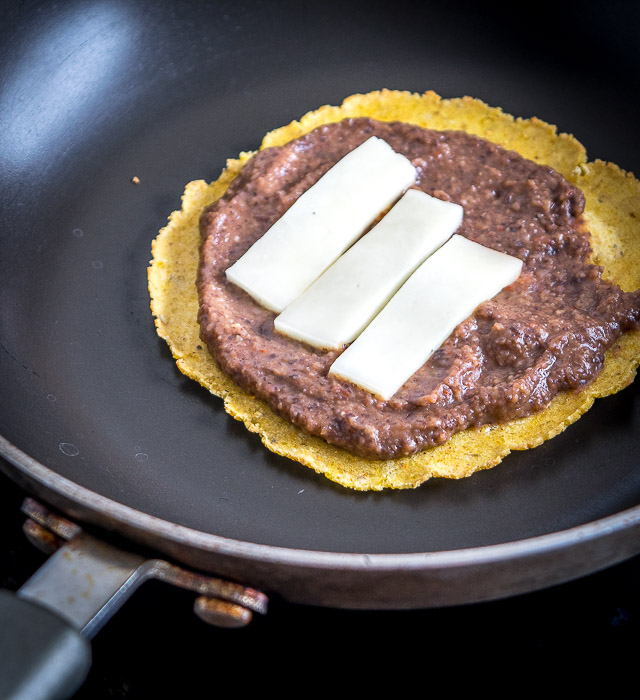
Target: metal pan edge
(391, 581)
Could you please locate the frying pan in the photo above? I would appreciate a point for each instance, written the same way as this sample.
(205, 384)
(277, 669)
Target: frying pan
(96, 419)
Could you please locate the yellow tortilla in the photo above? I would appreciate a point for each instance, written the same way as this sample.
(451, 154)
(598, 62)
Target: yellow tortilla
(612, 215)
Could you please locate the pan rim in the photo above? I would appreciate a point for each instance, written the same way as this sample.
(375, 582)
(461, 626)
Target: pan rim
(127, 516)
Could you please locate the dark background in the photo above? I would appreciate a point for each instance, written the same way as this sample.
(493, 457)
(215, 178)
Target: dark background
(572, 64)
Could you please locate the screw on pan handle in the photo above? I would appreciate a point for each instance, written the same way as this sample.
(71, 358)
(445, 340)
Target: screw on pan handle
(222, 613)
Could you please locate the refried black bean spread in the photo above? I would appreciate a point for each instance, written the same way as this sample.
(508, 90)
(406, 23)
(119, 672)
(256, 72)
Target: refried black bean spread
(546, 333)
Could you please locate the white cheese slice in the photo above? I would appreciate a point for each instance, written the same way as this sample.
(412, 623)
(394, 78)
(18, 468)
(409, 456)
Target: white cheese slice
(322, 223)
(439, 295)
(342, 301)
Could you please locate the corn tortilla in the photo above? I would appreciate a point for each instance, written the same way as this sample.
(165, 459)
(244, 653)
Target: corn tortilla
(612, 214)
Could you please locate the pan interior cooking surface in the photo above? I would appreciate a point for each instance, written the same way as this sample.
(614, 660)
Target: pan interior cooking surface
(89, 389)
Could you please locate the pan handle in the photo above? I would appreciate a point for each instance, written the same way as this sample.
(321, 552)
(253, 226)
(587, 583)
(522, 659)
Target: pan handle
(45, 627)
(41, 655)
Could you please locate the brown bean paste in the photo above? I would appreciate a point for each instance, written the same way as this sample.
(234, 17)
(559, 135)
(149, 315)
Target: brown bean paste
(544, 334)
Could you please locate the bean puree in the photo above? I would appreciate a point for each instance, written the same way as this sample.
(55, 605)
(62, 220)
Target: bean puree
(544, 334)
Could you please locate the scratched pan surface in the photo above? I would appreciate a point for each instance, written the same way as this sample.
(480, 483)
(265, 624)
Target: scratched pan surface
(95, 93)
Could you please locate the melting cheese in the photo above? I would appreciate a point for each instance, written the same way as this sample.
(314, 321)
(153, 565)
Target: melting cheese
(335, 309)
(322, 223)
(439, 295)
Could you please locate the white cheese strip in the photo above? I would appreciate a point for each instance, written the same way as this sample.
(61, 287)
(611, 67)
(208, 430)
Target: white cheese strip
(342, 301)
(439, 295)
(322, 223)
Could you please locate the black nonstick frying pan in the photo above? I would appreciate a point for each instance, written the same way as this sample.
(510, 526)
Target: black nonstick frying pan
(96, 419)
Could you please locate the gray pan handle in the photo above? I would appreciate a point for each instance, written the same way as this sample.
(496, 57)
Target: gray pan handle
(42, 656)
(45, 627)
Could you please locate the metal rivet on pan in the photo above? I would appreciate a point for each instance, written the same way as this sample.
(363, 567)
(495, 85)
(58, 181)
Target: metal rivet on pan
(221, 613)
(45, 540)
